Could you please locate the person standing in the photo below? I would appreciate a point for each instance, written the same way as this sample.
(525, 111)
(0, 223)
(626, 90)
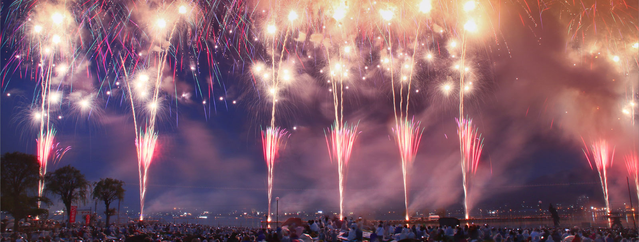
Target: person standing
(554, 215)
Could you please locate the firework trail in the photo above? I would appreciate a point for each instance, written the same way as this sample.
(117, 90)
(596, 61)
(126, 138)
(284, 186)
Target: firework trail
(340, 140)
(115, 39)
(145, 143)
(471, 147)
(631, 107)
(272, 140)
(46, 146)
(47, 132)
(145, 140)
(632, 165)
(408, 136)
(148, 41)
(341, 34)
(406, 133)
(602, 157)
(44, 46)
(273, 137)
(469, 28)
(340, 137)
(145, 118)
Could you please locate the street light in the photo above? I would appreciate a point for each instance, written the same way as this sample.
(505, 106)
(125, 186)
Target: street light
(277, 212)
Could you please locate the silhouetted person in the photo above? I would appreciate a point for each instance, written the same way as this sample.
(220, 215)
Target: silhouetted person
(554, 214)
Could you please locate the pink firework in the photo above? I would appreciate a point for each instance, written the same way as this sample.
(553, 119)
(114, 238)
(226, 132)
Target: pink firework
(339, 141)
(471, 145)
(145, 144)
(602, 156)
(408, 136)
(47, 145)
(272, 140)
(632, 164)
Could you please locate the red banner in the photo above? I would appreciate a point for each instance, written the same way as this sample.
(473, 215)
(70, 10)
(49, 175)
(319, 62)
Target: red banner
(88, 218)
(73, 212)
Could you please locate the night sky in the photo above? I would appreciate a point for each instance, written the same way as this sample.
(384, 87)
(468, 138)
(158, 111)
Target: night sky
(536, 100)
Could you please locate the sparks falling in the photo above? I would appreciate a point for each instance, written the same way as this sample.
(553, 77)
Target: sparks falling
(602, 157)
(272, 140)
(340, 140)
(471, 147)
(408, 136)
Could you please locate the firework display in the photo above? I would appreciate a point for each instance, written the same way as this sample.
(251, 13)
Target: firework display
(340, 139)
(471, 147)
(145, 144)
(153, 59)
(408, 136)
(602, 156)
(272, 139)
(46, 146)
(632, 165)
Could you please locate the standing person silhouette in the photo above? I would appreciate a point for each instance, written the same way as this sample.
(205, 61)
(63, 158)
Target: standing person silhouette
(554, 214)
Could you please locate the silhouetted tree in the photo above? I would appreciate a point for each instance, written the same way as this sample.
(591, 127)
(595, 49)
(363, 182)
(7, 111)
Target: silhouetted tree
(108, 190)
(68, 183)
(19, 181)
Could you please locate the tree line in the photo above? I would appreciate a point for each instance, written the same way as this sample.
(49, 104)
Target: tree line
(19, 188)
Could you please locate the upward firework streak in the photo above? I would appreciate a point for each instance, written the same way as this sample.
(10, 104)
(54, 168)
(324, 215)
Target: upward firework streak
(407, 133)
(146, 139)
(602, 156)
(339, 140)
(632, 164)
(47, 132)
(272, 139)
(46, 145)
(105, 38)
(471, 146)
(408, 136)
(340, 136)
(145, 144)
(52, 42)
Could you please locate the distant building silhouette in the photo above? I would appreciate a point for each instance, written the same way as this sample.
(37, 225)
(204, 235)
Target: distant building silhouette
(582, 202)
